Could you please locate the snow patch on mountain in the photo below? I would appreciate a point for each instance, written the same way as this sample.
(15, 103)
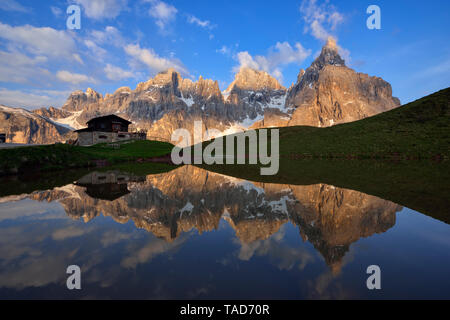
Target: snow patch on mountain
(70, 122)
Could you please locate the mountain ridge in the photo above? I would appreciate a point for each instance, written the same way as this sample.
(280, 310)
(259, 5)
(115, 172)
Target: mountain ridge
(327, 93)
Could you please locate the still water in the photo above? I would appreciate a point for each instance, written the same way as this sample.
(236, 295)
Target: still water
(194, 234)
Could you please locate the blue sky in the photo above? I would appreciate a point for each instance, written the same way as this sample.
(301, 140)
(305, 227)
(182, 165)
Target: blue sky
(124, 42)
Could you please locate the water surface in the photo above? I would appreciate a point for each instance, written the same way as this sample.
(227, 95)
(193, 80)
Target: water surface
(194, 234)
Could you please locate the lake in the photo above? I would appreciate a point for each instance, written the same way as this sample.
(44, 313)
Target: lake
(190, 233)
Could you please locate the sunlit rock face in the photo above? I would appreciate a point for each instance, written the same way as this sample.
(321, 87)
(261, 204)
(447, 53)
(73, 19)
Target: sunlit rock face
(189, 198)
(168, 102)
(23, 126)
(52, 113)
(329, 93)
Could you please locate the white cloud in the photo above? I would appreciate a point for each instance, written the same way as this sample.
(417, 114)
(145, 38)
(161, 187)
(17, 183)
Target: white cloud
(15, 67)
(34, 99)
(40, 41)
(110, 35)
(96, 50)
(101, 9)
(56, 11)
(73, 78)
(224, 50)
(162, 12)
(204, 24)
(320, 19)
(282, 54)
(152, 60)
(13, 5)
(115, 73)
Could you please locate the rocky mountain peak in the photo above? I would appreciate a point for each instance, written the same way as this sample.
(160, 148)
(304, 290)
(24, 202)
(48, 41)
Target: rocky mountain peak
(328, 92)
(300, 75)
(329, 56)
(255, 80)
(170, 77)
(92, 94)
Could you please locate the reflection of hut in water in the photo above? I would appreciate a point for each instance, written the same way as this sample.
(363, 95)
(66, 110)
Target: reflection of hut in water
(107, 185)
(107, 191)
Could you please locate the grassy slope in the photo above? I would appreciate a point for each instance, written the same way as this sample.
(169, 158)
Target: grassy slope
(61, 156)
(420, 129)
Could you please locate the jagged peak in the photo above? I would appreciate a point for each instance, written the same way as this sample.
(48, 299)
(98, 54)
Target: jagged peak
(168, 71)
(251, 79)
(300, 75)
(329, 55)
(123, 89)
(331, 44)
(91, 93)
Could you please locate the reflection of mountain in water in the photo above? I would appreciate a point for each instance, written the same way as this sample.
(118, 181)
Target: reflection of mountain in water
(189, 198)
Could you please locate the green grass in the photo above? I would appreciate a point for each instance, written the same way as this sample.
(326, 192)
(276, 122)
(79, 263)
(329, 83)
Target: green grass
(420, 129)
(61, 156)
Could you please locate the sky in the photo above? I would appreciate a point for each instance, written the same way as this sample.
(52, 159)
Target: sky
(124, 42)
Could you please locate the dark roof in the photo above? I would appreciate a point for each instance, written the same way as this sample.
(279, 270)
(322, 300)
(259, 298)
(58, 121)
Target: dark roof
(106, 191)
(85, 130)
(111, 116)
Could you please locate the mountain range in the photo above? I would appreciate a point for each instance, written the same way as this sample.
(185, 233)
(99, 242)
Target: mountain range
(325, 94)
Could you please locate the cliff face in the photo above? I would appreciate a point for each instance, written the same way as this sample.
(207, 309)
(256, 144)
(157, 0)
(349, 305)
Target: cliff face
(52, 113)
(22, 126)
(187, 198)
(329, 93)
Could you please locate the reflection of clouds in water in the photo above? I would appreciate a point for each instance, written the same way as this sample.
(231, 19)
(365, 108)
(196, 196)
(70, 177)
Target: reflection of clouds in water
(329, 284)
(275, 248)
(39, 256)
(28, 208)
(110, 238)
(70, 232)
(153, 248)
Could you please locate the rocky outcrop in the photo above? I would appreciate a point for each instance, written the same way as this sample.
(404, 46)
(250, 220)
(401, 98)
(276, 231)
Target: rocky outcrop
(52, 113)
(168, 102)
(329, 93)
(23, 126)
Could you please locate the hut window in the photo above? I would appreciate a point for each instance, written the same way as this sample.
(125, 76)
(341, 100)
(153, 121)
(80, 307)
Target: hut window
(103, 137)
